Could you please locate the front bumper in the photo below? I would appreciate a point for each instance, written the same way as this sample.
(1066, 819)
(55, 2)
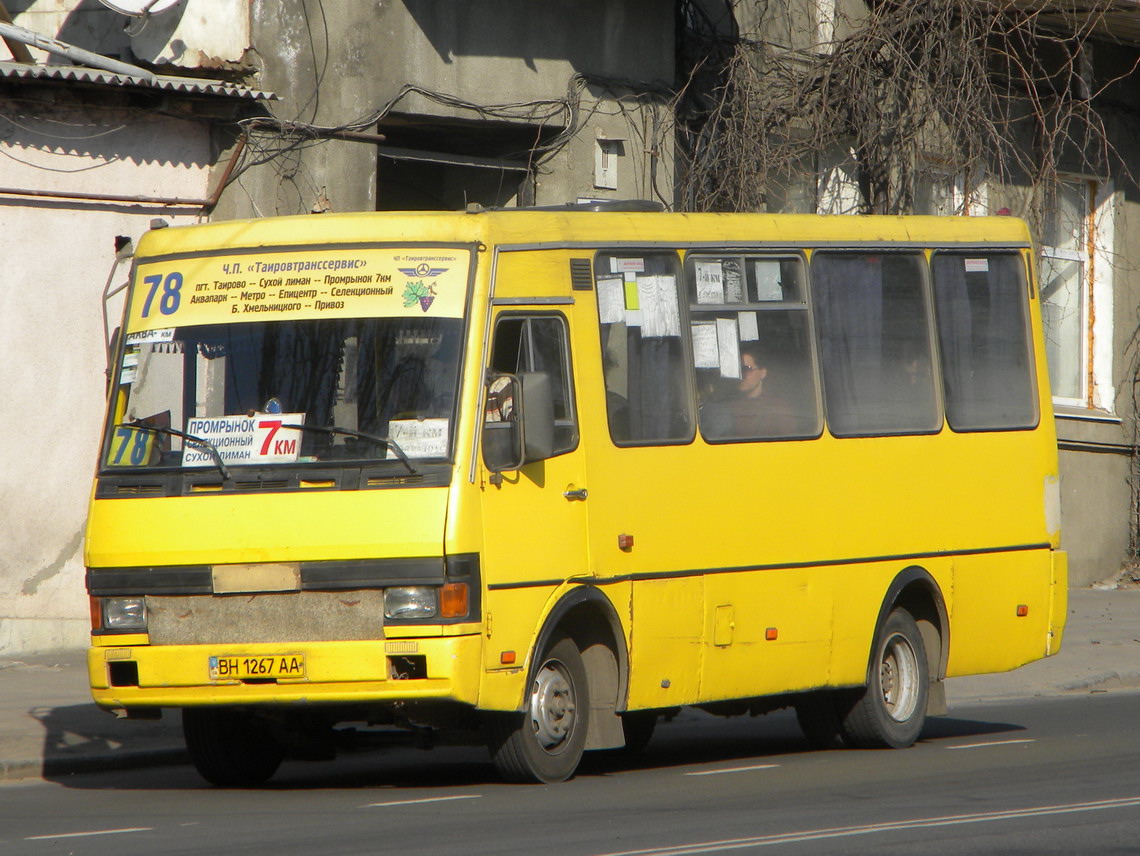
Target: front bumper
(335, 673)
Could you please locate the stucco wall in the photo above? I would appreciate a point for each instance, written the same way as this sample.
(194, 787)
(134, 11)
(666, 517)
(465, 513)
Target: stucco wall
(341, 67)
(57, 255)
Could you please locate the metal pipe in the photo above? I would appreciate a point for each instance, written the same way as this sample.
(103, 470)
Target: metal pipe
(106, 197)
(239, 147)
(76, 54)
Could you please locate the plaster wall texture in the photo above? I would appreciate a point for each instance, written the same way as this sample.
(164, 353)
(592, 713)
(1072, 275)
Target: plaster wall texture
(343, 67)
(58, 254)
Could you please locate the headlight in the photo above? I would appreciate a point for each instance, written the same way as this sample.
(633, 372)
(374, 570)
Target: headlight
(410, 602)
(124, 613)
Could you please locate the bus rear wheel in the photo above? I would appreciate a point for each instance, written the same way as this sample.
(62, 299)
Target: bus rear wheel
(892, 711)
(230, 748)
(544, 743)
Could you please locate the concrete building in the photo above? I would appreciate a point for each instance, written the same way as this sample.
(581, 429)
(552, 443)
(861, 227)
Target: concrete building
(396, 104)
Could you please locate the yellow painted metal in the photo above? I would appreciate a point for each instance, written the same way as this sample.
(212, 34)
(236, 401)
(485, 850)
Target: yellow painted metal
(805, 536)
(178, 675)
(280, 527)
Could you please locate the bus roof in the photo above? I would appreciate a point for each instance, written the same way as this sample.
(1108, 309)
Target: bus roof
(520, 226)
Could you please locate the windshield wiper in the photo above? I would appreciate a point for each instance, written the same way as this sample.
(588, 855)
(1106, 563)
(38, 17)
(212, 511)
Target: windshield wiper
(193, 440)
(348, 432)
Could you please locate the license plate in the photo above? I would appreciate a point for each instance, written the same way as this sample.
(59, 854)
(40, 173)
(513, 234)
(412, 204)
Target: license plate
(239, 668)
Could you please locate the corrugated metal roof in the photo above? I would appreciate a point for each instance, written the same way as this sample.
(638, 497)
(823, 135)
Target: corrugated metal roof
(95, 77)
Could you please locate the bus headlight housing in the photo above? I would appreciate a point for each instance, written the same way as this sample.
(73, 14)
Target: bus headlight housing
(124, 614)
(410, 602)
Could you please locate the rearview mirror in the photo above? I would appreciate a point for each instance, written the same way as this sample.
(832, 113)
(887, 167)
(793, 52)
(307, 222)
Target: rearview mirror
(518, 420)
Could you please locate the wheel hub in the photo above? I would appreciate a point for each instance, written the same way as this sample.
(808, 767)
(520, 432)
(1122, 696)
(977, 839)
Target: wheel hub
(552, 706)
(898, 678)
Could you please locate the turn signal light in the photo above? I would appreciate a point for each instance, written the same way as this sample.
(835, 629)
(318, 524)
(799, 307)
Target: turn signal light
(453, 600)
(1022, 610)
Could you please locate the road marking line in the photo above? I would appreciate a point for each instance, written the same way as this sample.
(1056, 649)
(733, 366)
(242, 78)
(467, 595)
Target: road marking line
(734, 770)
(994, 743)
(425, 800)
(85, 834)
(894, 826)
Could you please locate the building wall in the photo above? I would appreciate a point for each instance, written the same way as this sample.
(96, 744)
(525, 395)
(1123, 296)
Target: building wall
(57, 255)
(334, 69)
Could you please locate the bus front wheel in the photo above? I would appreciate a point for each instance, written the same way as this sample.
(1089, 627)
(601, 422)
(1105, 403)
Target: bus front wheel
(544, 743)
(230, 748)
(892, 711)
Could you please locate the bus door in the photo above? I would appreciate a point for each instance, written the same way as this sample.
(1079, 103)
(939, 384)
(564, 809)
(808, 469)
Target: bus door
(534, 517)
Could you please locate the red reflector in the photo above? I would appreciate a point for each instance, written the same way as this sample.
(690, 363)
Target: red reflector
(625, 542)
(453, 600)
(771, 634)
(507, 657)
(1022, 610)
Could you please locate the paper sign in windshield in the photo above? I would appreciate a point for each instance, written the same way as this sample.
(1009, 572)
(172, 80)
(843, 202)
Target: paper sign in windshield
(257, 439)
(419, 438)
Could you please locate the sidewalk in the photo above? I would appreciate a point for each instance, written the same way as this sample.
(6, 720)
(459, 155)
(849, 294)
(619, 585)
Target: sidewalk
(49, 726)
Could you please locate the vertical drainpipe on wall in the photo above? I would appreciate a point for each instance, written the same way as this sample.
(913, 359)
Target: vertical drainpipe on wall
(1090, 279)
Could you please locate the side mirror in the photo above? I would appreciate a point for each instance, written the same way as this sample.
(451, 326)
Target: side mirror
(518, 422)
(537, 416)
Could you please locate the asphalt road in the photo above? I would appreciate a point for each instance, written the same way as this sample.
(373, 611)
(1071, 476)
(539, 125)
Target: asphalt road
(1037, 776)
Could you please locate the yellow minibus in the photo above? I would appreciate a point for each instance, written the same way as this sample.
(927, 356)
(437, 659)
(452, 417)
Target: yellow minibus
(535, 477)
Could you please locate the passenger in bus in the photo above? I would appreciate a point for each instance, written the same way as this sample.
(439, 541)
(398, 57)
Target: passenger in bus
(754, 410)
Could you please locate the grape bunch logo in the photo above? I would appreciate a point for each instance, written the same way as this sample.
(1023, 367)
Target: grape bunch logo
(418, 292)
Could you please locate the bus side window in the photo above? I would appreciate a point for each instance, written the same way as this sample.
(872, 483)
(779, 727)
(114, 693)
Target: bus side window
(752, 347)
(873, 322)
(983, 333)
(643, 357)
(538, 343)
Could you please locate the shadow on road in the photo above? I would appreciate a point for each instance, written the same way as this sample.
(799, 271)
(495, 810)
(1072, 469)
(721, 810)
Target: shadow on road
(83, 739)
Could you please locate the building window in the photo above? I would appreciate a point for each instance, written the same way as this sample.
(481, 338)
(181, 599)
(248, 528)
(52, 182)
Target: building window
(1076, 293)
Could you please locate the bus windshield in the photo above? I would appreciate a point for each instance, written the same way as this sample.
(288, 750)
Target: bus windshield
(261, 358)
(288, 391)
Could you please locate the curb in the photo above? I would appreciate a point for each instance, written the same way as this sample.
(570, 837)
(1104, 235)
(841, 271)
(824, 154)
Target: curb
(1102, 682)
(40, 768)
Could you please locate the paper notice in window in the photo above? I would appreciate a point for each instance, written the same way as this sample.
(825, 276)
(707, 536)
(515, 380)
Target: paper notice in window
(705, 352)
(728, 346)
(733, 281)
(749, 329)
(660, 315)
(768, 283)
(419, 438)
(611, 299)
(977, 265)
(709, 278)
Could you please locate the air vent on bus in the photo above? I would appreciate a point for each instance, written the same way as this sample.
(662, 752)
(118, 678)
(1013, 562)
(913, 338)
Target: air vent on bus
(581, 275)
(262, 484)
(146, 488)
(390, 481)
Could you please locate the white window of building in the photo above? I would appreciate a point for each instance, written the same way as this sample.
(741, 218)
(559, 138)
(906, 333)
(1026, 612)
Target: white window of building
(1076, 292)
(944, 193)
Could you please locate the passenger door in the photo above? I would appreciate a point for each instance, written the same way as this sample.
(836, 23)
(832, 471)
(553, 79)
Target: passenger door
(534, 518)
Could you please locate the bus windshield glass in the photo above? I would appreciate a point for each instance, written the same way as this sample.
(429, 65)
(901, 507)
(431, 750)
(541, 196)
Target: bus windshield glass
(274, 370)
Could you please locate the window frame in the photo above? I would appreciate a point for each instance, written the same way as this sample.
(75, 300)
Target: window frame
(687, 390)
(746, 254)
(526, 316)
(927, 297)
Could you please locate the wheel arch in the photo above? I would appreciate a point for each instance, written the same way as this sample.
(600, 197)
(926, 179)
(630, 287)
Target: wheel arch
(588, 617)
(916, 591)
